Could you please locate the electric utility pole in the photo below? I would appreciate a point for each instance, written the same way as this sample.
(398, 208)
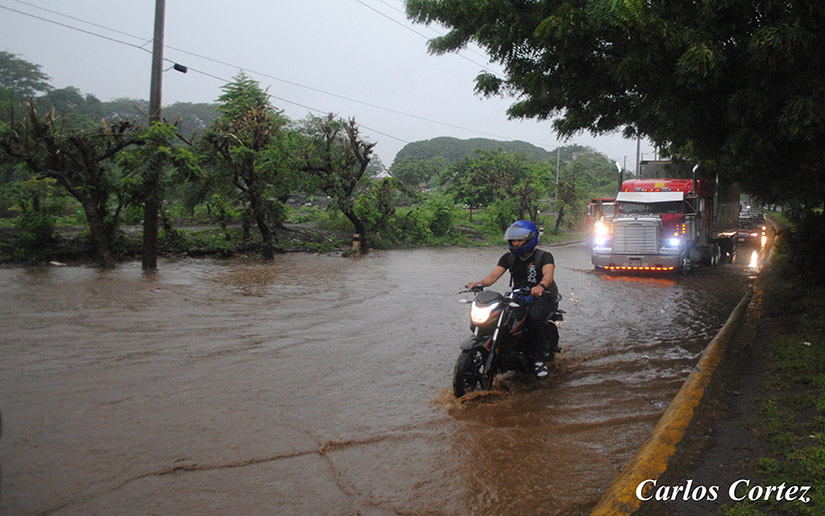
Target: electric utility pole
(151, 192)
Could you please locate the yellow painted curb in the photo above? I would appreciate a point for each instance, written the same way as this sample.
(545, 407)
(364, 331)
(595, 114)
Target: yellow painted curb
(652, 458)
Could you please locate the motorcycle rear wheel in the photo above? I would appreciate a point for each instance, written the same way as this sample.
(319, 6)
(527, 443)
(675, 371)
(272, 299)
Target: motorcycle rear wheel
(470, 372)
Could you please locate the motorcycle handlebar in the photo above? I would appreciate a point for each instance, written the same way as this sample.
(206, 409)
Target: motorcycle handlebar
(524, 291)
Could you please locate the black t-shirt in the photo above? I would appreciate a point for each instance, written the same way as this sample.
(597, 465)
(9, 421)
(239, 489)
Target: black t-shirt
(527, 272)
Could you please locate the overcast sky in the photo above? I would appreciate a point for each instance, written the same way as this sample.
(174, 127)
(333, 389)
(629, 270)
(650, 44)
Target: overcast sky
(354, 58)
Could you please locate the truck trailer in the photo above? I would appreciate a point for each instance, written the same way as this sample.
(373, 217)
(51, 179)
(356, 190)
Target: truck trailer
(669, 224)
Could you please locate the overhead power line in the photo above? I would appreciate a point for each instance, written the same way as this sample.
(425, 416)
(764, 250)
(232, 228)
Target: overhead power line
(263, 74)
(75, 28)
(484, 67)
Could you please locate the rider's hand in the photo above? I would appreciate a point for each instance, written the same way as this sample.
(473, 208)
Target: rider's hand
(537, 291)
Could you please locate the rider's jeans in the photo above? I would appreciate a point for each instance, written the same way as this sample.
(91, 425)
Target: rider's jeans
(537, 326)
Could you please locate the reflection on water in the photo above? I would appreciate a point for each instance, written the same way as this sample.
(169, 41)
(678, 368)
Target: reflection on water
(317, 384)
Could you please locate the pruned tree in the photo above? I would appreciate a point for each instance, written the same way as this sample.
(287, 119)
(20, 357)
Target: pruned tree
(248, 142)
(81, 162)
(337, 157)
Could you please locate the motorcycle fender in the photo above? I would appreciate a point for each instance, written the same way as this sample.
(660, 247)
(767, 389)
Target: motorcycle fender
(473, 343)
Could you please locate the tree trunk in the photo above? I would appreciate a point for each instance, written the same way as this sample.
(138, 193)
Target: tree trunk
(360, 229)
(150, 227)
(96, 227)
(266, 238)
(266, 233)
(246, 224)
(559, 220)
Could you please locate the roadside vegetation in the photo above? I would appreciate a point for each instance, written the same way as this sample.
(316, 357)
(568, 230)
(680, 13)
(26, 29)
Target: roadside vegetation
(242, 179)
(792, 415)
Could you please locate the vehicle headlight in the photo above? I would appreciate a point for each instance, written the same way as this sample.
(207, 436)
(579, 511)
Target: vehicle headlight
(600, 241)
(674, 242)
(601, 229)
(481, 314)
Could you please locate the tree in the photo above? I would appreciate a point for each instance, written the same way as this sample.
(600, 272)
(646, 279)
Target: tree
(72, 104)
(81, 162)
(22, 77)
(377, 204)
(249, 143)
(156, 157)
(737, 84)
(470, 183)
(416, 172)
(338, 158)
(513, 181)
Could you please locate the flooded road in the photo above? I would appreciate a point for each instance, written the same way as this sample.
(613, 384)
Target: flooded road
(321, 385)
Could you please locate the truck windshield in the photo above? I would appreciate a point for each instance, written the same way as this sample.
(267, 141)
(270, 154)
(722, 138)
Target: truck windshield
(632, 208)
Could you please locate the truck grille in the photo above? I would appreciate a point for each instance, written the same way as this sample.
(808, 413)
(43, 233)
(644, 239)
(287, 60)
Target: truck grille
(636, 236)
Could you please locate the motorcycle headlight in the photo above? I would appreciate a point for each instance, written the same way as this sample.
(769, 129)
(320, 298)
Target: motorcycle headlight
(481, 314)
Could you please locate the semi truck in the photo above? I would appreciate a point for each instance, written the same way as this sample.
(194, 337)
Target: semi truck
(669, 224)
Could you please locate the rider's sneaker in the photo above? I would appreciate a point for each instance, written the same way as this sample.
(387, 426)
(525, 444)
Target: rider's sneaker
(541, 370)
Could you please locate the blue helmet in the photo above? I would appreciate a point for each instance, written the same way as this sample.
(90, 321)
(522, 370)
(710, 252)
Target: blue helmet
(522, 230)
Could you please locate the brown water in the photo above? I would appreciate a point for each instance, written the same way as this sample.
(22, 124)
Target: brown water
(320, 385)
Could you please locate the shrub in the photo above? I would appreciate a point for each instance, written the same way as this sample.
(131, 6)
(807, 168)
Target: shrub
(442, 211)
(36, 230)
(802, 242)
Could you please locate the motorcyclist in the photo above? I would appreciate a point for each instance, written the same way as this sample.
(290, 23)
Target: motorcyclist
(534, 268)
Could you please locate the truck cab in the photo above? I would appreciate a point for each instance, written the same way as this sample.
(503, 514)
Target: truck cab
(660, 225)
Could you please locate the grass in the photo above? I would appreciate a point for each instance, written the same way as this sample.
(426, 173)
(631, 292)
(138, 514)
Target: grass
(792, 404)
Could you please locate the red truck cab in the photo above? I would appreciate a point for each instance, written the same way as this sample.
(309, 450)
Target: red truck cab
(662, 225)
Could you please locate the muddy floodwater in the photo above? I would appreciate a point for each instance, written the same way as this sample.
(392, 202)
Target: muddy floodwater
(321, 385)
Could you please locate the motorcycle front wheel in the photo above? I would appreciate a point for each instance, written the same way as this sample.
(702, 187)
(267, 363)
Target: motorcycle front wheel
(470, 372)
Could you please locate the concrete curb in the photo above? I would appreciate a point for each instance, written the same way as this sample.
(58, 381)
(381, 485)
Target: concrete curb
(652, 458)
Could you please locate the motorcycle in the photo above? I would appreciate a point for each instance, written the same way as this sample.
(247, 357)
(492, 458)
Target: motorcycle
(497, 345)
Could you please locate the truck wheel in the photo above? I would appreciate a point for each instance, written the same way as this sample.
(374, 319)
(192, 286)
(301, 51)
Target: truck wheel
(685, 266)
(711, 256)
(726, 247)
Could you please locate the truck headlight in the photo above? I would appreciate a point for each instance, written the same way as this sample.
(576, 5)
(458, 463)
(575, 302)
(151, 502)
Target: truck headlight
(601, 229)
(674, 242)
